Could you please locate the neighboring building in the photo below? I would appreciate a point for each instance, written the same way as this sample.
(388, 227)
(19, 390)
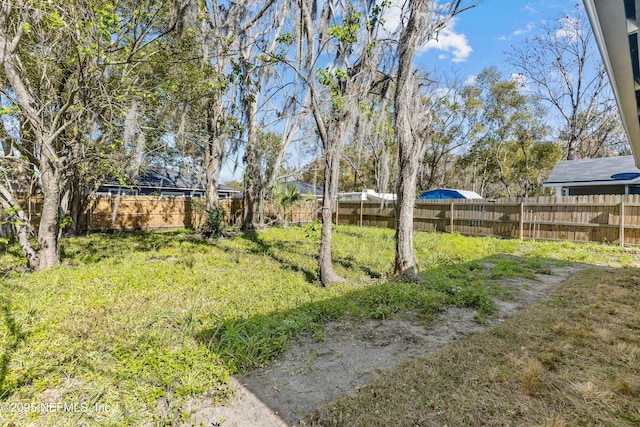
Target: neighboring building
(161, 182)
(304, 188)
(608, 175)
(367, 195)
(447, 193)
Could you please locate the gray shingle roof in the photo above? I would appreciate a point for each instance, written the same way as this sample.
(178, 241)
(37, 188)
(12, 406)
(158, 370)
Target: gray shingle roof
(591, 170)
(168, 179)
(304, 187)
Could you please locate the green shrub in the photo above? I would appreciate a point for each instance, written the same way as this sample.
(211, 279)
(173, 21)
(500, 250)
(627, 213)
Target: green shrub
(213, 222)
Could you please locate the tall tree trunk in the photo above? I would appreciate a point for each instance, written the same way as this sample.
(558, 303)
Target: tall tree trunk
(48, 253)
(74, 207)
(412, 142)
(332, 166)
(252, 175)
(214, 155)
(49, 230)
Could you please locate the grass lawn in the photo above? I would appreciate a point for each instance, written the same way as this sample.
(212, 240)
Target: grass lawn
(132, 320)
(571, 360)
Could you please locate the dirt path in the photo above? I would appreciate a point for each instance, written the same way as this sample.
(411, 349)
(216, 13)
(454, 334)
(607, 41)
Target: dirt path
(310, 373)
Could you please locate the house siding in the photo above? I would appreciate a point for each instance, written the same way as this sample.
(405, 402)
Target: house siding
(602, 189)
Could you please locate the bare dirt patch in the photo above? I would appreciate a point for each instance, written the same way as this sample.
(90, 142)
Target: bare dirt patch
(351, 354)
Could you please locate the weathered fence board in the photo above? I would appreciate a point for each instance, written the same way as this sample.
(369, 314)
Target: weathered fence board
(110, 213)
(610, 218)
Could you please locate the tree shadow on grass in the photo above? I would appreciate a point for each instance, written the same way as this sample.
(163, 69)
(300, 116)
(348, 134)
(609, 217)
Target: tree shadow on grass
(249, 342)
(14, 338)
(99, 246)
(260, 246)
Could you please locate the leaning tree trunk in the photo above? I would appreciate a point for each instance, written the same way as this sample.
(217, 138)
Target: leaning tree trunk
(21, 225)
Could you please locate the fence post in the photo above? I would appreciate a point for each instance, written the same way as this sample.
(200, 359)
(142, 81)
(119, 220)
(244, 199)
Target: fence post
(361, 202)
(451, 220)
(621, 223)
(521, 230)
(337, 209)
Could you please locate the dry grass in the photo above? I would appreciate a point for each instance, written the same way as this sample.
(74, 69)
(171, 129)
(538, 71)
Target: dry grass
(571, 360)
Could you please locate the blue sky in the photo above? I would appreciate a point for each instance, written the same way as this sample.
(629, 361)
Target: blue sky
(479, 37)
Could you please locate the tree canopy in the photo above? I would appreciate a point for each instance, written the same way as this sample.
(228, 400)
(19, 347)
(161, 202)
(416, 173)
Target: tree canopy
(281, 89)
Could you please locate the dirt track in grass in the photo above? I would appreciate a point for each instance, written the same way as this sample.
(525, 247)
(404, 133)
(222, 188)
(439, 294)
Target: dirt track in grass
(351, 354)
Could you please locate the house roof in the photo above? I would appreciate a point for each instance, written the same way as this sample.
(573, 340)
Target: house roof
(604, 171)
(168, 179)
(304, 187)
(448, 193)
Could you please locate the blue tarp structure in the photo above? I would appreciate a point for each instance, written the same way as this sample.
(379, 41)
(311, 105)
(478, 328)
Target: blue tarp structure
(445, 193)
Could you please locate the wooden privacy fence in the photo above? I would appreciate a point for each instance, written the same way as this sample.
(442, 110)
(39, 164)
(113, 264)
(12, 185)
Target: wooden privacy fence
(110, 213)
(154, 212)
(611, 218)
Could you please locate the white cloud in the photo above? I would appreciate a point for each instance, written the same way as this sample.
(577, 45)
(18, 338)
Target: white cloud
(392, 16)
(521, 31)
(470, 80)
(570, 29)
(451, 42)
(442, 92)
(518, 32)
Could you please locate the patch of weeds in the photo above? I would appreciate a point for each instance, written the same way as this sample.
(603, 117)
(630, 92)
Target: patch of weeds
(245, 344)
(501, 292)
(461, 286)
(507, 267)
(381, 312)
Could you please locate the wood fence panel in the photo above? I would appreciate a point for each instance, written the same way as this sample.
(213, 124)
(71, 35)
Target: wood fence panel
(582, 219)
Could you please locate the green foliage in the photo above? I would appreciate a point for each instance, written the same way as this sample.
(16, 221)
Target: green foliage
(509, 155)
(286, 39)
(324, 76)
(286, 198)
(347, 32)
(312, 231)
(213, 222)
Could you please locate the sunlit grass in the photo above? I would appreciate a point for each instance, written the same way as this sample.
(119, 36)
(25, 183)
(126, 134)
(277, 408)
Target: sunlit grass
(130, 319)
